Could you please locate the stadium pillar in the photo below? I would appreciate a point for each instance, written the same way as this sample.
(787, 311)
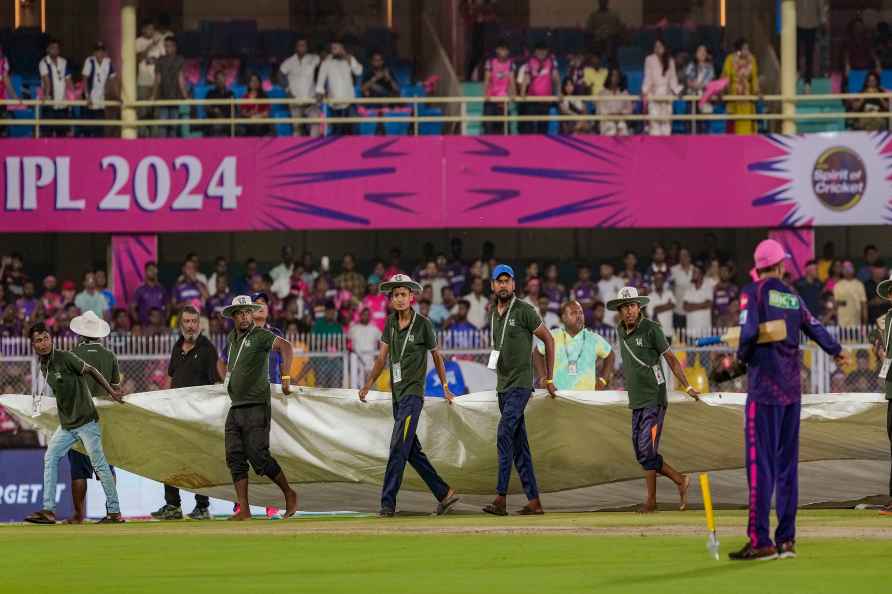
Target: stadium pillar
(128, 66)
(788, 64)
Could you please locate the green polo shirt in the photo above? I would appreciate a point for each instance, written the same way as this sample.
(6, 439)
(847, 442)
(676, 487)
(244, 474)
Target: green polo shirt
(642, 349)
(102, 359)
(413, 362)
(886, 337)
(64, 372)
(248, 359)
(515, 366)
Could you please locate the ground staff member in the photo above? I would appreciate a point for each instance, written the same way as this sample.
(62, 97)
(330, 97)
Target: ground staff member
(193, 362)
(884, 352)
(771, 434)
(92, 330)
(66, 374)
(644, 347)
(512, 326)
(407, 338)
(577, 352)
(246, 435)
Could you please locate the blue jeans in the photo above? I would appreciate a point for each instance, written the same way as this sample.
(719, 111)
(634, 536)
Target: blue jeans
(512, 443)
(90, 435)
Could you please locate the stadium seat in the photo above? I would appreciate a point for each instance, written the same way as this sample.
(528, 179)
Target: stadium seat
(856, 81)
(430, 128)
(367, 128)
(634, 78)
(280, 110)
(200, 91)
(400, 125)
(189, 44)
(403, 73)
(630, 57)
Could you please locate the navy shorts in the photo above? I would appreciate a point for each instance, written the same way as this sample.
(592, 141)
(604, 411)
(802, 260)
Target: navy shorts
(81, 467)
(647, 426)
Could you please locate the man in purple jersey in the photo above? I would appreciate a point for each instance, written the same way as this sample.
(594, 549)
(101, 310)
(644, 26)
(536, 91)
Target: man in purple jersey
(585, 291)
(148, 296)
(771, 433)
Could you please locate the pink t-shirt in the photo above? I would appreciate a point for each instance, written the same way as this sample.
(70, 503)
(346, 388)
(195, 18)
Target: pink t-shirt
(4, 72)
(541, 73)
(377, 304)
(500, 74)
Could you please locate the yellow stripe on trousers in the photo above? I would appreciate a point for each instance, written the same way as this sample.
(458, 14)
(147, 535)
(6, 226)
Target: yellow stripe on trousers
(406, 427)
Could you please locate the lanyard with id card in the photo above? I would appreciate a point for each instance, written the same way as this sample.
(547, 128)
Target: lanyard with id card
(237, 353)
(573, 365)
(656, 369)
(497, 349)
(887, 362)
(41, 390)
(396, 373)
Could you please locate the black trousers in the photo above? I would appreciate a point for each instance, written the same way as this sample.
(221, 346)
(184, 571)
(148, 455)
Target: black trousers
(246, 440)
(92, 131)
(491, 108)
(805, 40)
(172, 497)
(341, 129)
(889, 431)
(51, 113)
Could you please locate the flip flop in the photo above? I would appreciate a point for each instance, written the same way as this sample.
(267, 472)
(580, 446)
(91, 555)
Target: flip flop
(41, 517)
(445, 506)
(495, 510)
(529, 511)
(72, 521)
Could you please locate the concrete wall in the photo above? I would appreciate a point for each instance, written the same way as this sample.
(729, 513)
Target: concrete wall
(570, 13)
(269, 14)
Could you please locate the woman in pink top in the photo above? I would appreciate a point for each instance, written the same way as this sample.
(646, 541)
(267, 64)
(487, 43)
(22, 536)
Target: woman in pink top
(498, 82)
(6, 89)
(614, 86)
(660, 80)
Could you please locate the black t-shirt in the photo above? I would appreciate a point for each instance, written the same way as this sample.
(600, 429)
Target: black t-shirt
(198, 367)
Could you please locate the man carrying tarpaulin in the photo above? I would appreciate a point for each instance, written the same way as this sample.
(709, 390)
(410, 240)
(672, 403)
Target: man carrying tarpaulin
(774, 394)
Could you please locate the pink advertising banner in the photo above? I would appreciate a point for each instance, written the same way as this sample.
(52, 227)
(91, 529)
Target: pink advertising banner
(130, 254)
(245, 184)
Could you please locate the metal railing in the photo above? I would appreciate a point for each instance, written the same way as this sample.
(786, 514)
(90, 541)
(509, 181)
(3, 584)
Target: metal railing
(462, 117)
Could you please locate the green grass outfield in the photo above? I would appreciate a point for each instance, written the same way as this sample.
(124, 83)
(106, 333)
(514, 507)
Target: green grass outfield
(839, 552)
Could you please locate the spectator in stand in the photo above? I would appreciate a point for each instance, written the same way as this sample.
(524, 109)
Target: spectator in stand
(221, 299)
(615, 86)
(478, 304)
(660, 80)
(7, 91)
(698, 305)
(335, 81)
(27, 303)
(51, 298)
(569, 106)
(328, 324)
(833, 276)
(498, 81)
(221, 267)
(300, 73)
(876, 305)
(532, 291)
(156, 325)
(433, 276)
(858, 47)
(460, 333)
(851, 298)
(599, 324)
(364, 339)
(170, 84)
(630, 275)
(379, 81)
(811, 15)
(585, 291)
(189, 288)
(723, 294)
(255, 111)
(69, 292)
(553, 289)
(594, 74)
(700, 72)
(377, 303)
(742, 72)
(456, 270)
(440, 312)
(9, 324)
(285, 268)
(661, 306)
(149, 295)
(712, 276)
(576, 76)
(863, 378)
(199, 275)
(870, 105)
(349, 279)
(549, 318)
(826, 261)
(539, 77)
(609, 283)
(55, 83)
(98, 71)
(121, 325)
(871, 257)
(102, 287)
(149, 47)
(607, 27)
(811, 289)
(658, 265)
(216, 112)
(828, 312)
(395, 267)
(90, 299)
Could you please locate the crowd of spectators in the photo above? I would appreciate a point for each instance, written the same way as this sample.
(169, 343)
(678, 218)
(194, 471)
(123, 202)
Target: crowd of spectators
(696, 292)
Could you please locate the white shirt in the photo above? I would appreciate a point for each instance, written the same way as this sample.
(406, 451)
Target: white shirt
(280, 271)
(702, 318)
(477, 314)
(664, 318)
(154, 49)
(301, 74)
(550, 319)
(212, 285)
(338, 76)
(365, 338)
(98, 74)
(608, 289)
(55, 71)
(681, 282)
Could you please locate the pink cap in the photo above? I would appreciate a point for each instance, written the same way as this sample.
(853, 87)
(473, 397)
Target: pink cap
(768, 253)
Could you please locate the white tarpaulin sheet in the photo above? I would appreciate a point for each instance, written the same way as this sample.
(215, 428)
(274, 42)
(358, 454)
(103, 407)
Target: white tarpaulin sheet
(328, 441)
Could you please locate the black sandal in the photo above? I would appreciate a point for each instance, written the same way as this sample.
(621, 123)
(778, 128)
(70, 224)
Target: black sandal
(42, 517)
(111, 519)
(529, 511)
(495, 510)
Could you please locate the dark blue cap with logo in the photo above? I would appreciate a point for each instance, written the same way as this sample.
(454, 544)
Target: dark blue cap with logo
(502, 269)
(260, 297)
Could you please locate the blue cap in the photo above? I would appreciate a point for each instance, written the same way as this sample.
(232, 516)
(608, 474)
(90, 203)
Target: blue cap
(255, 297)
(502, 269)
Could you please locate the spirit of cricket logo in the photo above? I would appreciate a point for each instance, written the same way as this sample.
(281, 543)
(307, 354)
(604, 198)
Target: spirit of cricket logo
(782, 300)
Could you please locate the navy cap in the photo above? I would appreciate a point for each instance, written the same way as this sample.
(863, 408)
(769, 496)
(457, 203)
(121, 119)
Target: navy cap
(502, 269)
(260, 297)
